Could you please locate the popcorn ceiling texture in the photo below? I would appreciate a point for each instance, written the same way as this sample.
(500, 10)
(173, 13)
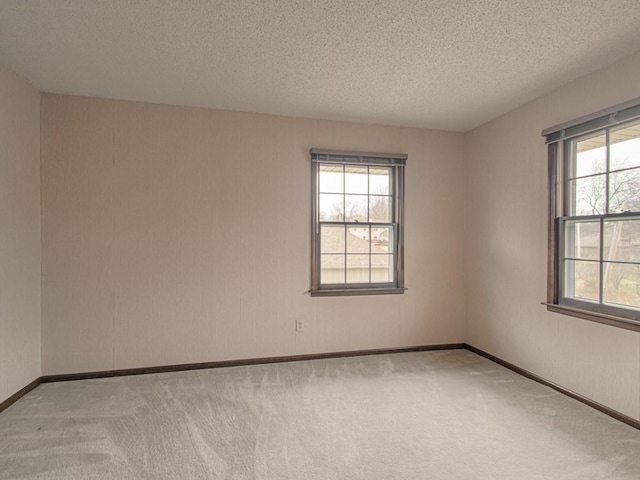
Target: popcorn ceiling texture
(444, 64)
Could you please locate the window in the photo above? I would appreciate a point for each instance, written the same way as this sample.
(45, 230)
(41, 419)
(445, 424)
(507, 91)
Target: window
(357, 227)
(594, 229)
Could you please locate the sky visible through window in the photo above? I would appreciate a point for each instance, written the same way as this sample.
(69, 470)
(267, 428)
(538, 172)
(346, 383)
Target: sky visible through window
(591, 183)
(357, 194)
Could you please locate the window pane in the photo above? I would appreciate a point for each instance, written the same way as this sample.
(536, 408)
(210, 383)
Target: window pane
(356, 179)
(588, 195)
(591, 156)
(622, 284)
(582, 279)
(379, 179)
(357, 268)
(331, 179)
(381, 268)
(356, 208)
(332, 239)
(624, 191)
(624, 150)
(382, 239)
(379, 210)
(582, 240)
(332, 268)
(331, 207)
(622, 240)
(358, 239)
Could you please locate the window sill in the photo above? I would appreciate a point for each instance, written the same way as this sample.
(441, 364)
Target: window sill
(611, 320)
(343, 292)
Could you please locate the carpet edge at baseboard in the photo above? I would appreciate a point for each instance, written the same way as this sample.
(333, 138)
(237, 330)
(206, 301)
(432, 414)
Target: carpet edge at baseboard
(19, 394)
(621, 417)
(319, 356)
(244, 362)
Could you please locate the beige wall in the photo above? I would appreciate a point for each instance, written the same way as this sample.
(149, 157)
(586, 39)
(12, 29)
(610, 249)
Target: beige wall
(175, 235)
(506, 167)
(162, 225)
(19, 234)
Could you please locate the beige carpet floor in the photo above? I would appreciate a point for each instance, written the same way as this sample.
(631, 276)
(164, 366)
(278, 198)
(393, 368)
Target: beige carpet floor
(427, 415)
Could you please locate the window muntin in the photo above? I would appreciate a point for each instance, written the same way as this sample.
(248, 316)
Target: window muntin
(357, 226)
(599, 227)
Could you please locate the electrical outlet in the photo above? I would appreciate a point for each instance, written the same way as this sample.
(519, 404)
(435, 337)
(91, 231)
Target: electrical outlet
(299, 326)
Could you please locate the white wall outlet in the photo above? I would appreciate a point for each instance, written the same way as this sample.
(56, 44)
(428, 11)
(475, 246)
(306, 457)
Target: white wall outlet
(299, 325)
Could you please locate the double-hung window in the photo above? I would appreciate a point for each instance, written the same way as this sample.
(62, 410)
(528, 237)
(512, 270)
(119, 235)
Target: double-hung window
(594, 165)
(357, 223)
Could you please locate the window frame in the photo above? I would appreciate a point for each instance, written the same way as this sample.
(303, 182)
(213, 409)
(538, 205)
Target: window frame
(396, 164)
(560, 140)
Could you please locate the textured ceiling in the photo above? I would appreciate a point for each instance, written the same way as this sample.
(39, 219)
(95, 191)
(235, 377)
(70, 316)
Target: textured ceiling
(445, 64)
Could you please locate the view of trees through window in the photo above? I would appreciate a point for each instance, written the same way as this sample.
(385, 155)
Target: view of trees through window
(602, 249)
(355, 209)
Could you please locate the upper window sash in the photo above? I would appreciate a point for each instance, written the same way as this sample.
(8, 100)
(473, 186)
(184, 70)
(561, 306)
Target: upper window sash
(601, 171)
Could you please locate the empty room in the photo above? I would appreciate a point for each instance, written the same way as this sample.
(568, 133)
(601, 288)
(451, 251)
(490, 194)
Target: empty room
(320, 239)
